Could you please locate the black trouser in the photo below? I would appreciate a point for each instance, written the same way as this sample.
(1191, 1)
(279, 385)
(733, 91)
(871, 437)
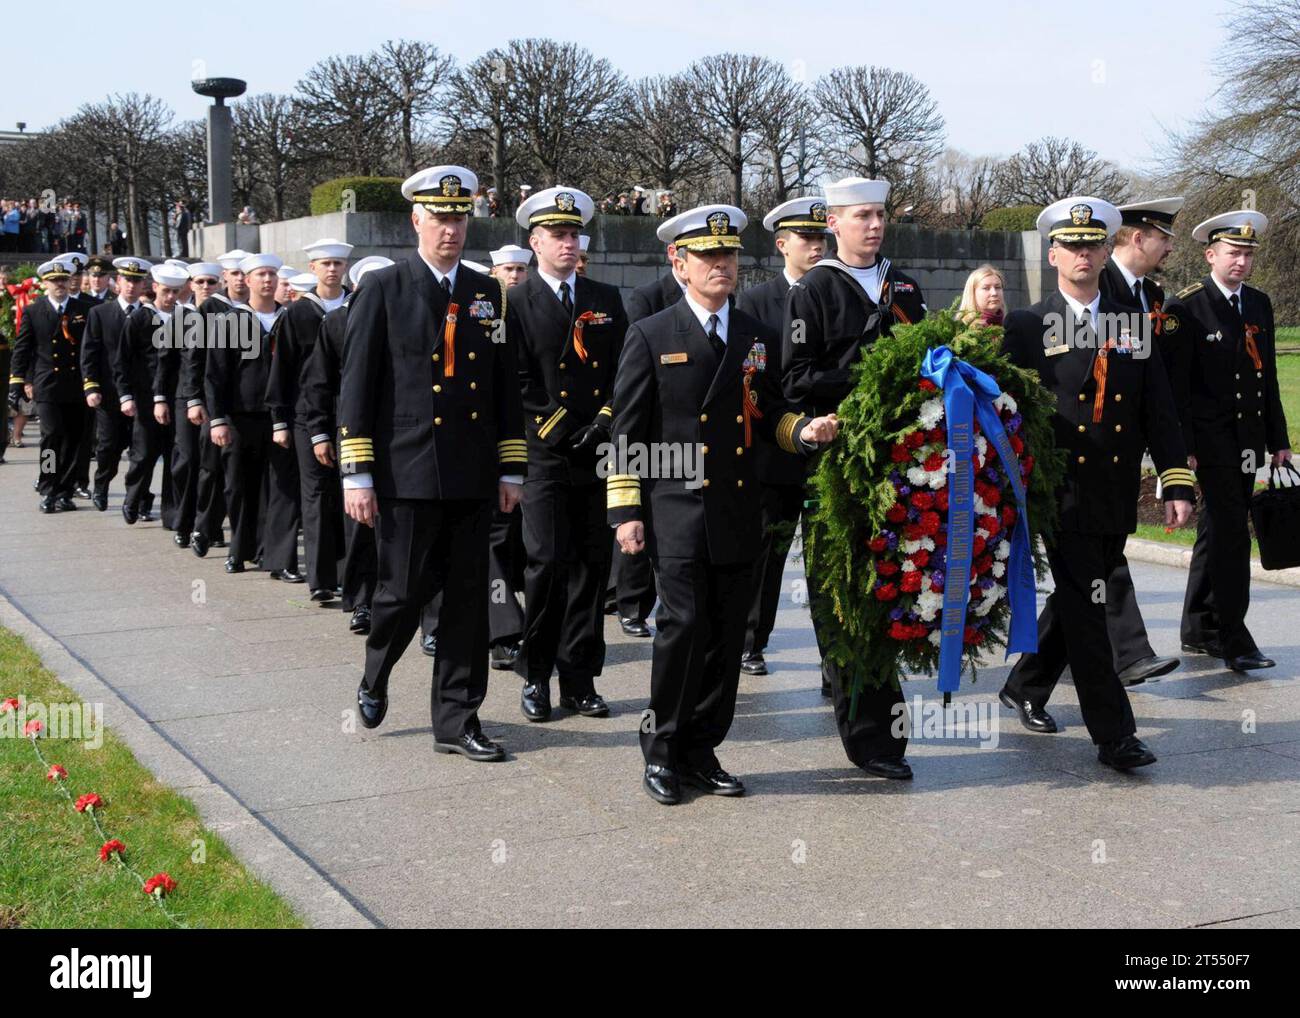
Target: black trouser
(567, 541)
(321, 502)
(61, 427)
(283, 513)
(360, 567)
(150, 442)
(210, 499)
(781, 506)
(112, 438)
(1072, 628)
(1218, 583)
(506, 560)
(244, 461)
(85, 451)
(695, 668)
(416, 541)
(634, 582)
(185, 467)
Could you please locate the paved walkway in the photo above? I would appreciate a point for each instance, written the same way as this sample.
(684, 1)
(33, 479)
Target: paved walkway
(255, 686)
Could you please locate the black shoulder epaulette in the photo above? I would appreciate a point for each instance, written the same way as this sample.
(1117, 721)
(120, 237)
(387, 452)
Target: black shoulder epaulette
(1188, 291)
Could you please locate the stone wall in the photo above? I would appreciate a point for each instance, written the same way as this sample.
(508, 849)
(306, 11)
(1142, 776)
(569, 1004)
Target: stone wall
(625, 252)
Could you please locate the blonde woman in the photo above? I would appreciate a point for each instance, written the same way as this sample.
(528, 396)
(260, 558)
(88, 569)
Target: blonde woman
(983, 299)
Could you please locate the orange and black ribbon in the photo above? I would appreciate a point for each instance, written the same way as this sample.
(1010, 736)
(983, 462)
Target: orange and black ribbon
(749, 406)
(1252, 347)
(578, 324)
(449, 341)
(1157, 317)
(1099, 374)
(67, 333)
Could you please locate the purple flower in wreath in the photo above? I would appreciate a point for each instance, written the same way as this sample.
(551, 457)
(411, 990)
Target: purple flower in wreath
(986, 582)
(891, 539)
(938, 577)
(896, 614)
(913, 514)
(990, 474)
(904, 490)
(1013, 425)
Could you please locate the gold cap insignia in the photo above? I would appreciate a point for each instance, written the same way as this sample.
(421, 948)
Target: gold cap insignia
(1247, 230)
(1081, 214)
(818, 211)
(565, 201)
(450, 185)
(719, 223)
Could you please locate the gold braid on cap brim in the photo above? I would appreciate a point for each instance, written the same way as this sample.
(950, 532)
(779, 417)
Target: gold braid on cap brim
(1076, 233)
(457, 204)
(812, 225)
(552, 217)
(708, 242)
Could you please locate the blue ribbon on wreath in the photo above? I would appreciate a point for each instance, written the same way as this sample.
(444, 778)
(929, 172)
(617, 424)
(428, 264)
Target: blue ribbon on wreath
(968, 395)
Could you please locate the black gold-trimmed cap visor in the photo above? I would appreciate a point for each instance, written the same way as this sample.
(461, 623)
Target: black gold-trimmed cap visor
(800, 224)
(58, 272)
(1162, 221)
(555, 217)
(1069, 232)
(1243, 235)
(436, 201)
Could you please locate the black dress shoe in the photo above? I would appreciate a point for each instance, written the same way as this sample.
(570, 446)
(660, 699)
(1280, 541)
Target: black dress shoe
(371, 708)
(129, 514)
(360, 622)
(199, 544)
(234, 566)
(65, 505)
(894, 767)
(662, 785)
(322, 594)
(287, 576)
(46, 505)
(502, 656)
(1033, 717)
(1125, 754)
(220, 542)
(1249, 662)
(535, 701)
(592, 705)
(713, 780)
(100, 502)
(753, 664)
(429, 644)
(146, 515)
(474, 745)
(1210, 648)
(182, 540)
(1148, 668)
(81, 491)
(634, 627)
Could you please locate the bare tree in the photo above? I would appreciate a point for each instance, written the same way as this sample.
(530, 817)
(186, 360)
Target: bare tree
(344, 127)
(267, 151)
(968, 187)
(883, 124)
(480, 112)
(1050, 169)
(663, 145)
(409, 78)
(784, 115)
(726, 93)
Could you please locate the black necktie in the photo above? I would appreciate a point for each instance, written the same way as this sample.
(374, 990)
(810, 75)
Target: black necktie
(1137, 293)
(715, 341)
(446, 287)
(1235, 301)
(565, 299)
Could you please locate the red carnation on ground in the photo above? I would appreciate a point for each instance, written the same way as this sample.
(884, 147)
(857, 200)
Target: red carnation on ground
(109, 847)
(920, 559)
(925, 385)
(922, 499)
(899, 453)
(88, 801)
(34, 727)
(934, 461)
(886, 568)
(897, 513)
(56, 773)
(887, 592)
(159, 882)
(911, 582)
(915, 440)
(877, 544)
(10, 703)
(930, 523)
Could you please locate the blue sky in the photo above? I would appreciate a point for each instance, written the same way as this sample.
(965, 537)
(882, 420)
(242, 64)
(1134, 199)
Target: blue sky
(1112, 74)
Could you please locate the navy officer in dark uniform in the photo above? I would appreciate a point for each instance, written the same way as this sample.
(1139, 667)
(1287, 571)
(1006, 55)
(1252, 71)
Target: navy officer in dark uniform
(1113, 402)
(687, 400)
(430, 434)
(840, 307)
(1220, 337)
(568, 334)
(801, 234)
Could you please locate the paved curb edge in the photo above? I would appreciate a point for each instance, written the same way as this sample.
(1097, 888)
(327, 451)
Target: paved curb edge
(1181, 558)
(316, 899)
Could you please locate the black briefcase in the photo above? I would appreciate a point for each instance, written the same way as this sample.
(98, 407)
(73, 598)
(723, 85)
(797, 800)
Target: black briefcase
(1275, 513)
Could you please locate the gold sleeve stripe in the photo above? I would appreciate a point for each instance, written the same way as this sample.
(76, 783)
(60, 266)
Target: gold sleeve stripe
(356, 445)
(622, 490)
(89, 383)
(15, 380)
(607, 410)
(785, 432)
(554, 419)
(1177, 475)
(512, 441)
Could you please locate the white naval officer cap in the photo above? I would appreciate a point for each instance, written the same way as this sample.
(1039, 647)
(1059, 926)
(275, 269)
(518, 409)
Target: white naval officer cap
(1158, 212)
(53, 269)
(1080, 219)
(556, 206)
(364, 265)
(131, 267)
(856, 191)
(75, 260)
(442, 189)
(804, 215)
(328, 248)
(511, 254)
(704, 228)
(1242, 228)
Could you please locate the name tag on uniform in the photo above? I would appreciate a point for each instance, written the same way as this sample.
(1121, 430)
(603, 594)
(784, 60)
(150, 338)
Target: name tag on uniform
(1053, 351)
(672, 358)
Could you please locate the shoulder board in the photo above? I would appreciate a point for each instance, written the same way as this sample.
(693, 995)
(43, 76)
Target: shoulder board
(1189, 290)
